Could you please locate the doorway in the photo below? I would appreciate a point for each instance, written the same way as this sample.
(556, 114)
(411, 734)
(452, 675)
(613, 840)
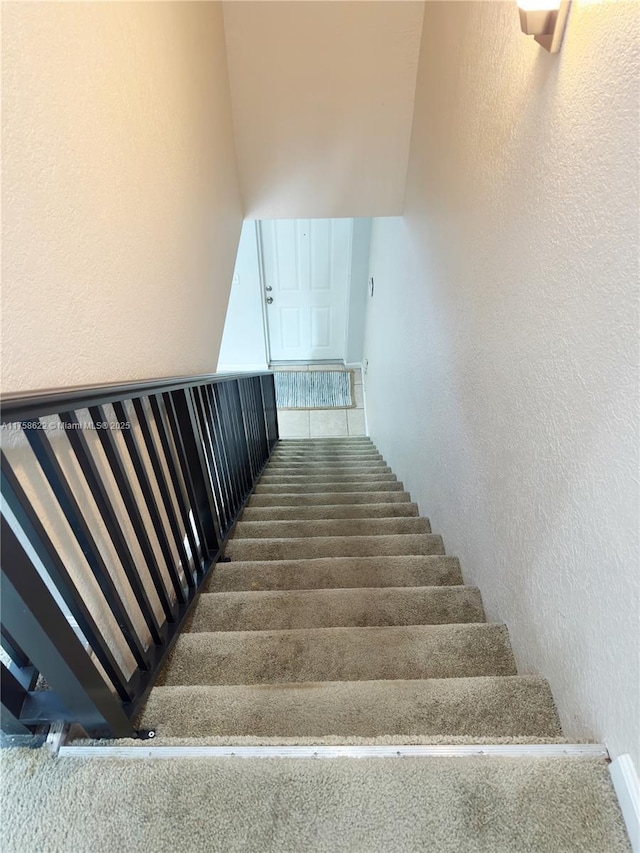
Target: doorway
(306, 265)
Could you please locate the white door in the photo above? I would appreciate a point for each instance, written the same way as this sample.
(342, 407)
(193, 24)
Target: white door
(306, 265)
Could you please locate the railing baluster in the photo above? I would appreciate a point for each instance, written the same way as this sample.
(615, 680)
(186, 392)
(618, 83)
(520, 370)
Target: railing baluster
(105, 507)
(76, 520)
(12, 649)
(131, 443)
(128, 498)
(178, 486)
(31, 615)
(204, 429)
(173, 487)
(218, 448)
(225, 407)
(164, 489)
(13, 696)
(16, 500)
(259, 416)
(182, 420)
(248, 426)
(241, 441)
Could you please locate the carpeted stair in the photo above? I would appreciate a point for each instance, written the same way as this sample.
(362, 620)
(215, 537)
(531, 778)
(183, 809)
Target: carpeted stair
(340, 615)
(339, 620)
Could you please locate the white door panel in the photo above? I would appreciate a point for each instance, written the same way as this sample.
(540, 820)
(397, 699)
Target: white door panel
(306, 264)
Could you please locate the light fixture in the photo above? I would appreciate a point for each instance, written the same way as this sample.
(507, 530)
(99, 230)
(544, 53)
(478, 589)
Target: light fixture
(545, 20)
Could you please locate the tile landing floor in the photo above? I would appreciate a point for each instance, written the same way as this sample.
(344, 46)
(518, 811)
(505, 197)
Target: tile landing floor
(323, 423)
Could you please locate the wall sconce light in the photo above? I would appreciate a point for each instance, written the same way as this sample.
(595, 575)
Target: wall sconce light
(545, 20)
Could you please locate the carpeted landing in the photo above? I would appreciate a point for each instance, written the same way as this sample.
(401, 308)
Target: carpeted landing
(405, 805)
(340, 619)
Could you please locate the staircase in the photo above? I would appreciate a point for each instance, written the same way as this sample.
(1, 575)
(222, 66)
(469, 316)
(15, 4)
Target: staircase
(339, 628)
(340, 618)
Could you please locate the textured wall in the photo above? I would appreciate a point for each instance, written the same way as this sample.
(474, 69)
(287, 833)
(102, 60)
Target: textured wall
(322, 98)
(502, 338)
(121, 212)
(360, 251)
(244, 343)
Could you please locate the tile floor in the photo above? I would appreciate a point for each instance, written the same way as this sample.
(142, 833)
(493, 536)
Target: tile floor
(322, 423)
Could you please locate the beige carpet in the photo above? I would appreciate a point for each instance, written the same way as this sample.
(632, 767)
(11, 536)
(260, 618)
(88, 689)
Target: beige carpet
(338, 620)
(307, 806)
(340, 616)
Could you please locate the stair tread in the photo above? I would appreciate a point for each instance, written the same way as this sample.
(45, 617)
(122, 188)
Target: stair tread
(334, 546)
(340, 654)
(310, 465)
(350, 476)
(328, 486)
(505, 706)
(336, 572)
(306, 458)
(301, 513)
(278, 610)
(329, 527)
(323, 498)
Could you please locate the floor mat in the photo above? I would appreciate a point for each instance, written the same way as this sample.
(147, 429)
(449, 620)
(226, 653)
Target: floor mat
(314, 389)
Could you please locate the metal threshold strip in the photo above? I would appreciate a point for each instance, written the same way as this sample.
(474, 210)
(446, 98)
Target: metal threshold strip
(528, 750)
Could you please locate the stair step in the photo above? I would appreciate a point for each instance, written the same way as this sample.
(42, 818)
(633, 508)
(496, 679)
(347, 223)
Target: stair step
(337, 447)
(328, 440)
(306, 469)
(514, 706)
(286, 478)
(306, 488)
(335, 573)
(299, 513)
(323, 498)
(301, 456)
(340, 654)
(335, 608)
(329, 527)
(334, 546)
(350, 455)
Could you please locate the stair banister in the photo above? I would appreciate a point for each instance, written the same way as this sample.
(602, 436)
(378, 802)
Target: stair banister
(117, 500)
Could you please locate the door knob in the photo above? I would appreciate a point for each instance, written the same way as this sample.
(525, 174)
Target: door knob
(268, 287)
(269, 300)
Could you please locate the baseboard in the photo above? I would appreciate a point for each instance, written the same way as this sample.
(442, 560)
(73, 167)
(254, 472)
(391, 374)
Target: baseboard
(242, 368)
(627, 788)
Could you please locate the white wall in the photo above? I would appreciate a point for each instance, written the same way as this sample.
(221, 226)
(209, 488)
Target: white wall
(244, 345)
(358, 282)
(502, 339)
(322, 99)
(121, 209)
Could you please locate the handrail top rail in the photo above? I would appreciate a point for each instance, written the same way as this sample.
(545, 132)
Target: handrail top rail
(24, 406)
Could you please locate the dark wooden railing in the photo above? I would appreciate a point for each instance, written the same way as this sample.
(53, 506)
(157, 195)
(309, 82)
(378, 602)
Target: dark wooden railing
(116, 503)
